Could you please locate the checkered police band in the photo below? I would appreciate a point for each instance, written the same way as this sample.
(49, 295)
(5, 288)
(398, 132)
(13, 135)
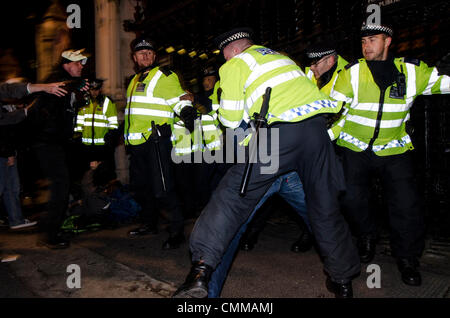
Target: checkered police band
(143, 44)
(234, 37)
(377, 28)
(319, 54)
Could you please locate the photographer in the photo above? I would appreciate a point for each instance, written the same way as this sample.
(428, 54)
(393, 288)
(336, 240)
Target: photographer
(52, 122)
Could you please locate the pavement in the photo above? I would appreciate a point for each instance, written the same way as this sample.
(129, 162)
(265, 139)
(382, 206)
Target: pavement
(111, 265)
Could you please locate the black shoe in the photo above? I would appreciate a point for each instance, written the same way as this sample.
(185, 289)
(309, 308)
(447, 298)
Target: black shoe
(340, 290)
(248, 241)
(304, 243)
(57, 243)
(196, 284)
(410, 274)
(366, 249)
(143, 230)
(174, 242)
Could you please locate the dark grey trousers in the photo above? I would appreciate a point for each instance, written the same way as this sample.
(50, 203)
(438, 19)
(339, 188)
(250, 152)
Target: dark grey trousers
(306, 148)
(397, 175)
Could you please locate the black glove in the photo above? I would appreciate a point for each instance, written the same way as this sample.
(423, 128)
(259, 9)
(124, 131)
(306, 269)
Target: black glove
(154, 136)
(204, 101)
(443, 66)
(112, 138)
(188, 115)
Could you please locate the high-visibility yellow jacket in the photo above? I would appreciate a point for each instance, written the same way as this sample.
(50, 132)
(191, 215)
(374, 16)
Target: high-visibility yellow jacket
(207, 134)
(378, 118)
(212, 133)
(244, 80)
(155, 98)
(95, 120)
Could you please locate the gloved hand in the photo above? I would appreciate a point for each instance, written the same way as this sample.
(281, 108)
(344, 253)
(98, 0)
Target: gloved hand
(443, 66)
(111, 138)
(202, 109)
(188, 115)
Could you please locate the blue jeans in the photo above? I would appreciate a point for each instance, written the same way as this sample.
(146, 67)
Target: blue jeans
(10, 189)
(287, 186)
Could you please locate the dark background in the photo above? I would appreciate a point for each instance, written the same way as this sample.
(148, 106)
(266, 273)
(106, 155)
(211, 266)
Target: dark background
(18, 21)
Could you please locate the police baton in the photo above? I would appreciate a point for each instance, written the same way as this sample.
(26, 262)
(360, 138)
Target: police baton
(260, 120)
(158, 154)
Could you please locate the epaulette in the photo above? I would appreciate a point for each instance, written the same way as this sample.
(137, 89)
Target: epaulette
(412, 61)
(351, 64)
(165, 70)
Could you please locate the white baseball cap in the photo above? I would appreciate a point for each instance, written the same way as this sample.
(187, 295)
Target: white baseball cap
(75, 56)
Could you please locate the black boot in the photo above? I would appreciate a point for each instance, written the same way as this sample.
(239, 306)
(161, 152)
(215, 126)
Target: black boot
(410, 274)
(304, 243)
(196, 283)
(55, 241)
(174, 241)
(340, 289)
(366, 249)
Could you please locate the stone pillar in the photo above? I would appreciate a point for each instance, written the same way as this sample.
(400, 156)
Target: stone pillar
(113, 62)
(112, 44)
(127, 8)
(107, 46)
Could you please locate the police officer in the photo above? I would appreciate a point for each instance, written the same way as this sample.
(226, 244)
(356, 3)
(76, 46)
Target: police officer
(204, 141)
(294, 98)
(379, 91)
(96, 121)
(207, 104)
(153, 95)
(325, 64)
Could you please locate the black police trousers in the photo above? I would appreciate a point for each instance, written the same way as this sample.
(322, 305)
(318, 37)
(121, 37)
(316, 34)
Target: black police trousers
(306, 148)
(404, 204)
(147, 186)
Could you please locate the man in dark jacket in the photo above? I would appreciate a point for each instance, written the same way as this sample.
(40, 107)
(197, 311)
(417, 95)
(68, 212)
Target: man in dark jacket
(52, 122)
(20, 90)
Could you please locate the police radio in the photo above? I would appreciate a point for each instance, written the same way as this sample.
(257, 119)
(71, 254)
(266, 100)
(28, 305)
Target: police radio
(399, 91)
